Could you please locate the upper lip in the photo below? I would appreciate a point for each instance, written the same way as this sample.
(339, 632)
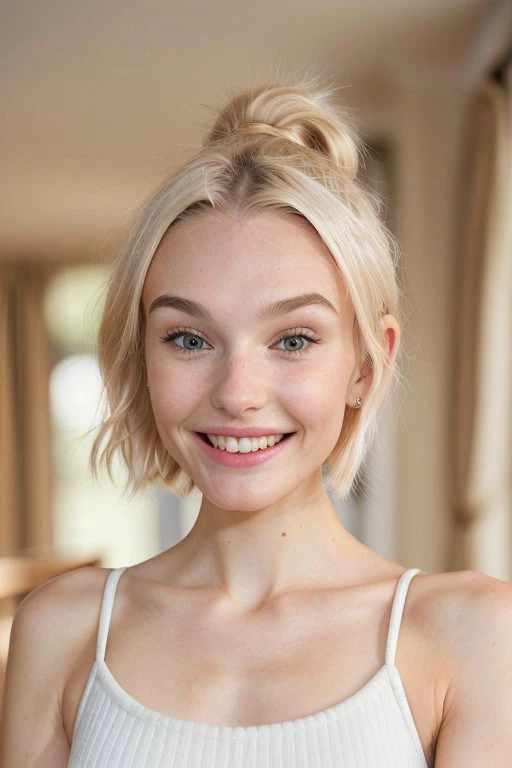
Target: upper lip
(240, 432)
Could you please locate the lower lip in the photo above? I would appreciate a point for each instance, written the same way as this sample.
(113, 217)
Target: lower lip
(241, 459)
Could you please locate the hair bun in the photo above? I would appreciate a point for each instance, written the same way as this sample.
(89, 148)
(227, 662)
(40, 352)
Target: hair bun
(305, 114)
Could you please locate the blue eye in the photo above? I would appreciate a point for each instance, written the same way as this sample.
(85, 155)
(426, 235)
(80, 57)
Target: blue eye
(184, 333)
(295, 337)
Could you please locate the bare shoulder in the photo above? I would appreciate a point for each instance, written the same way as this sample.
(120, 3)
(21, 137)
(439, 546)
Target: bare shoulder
(59, 613)
(66, 583)
(469, 619)
(70, 602)
(62, 600)
(50, 627)
(461, 608)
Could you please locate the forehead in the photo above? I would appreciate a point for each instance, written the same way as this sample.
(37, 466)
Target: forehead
(222, 254)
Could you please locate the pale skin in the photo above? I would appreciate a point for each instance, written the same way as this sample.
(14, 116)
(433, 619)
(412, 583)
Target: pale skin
(269, 610)
(244, 377)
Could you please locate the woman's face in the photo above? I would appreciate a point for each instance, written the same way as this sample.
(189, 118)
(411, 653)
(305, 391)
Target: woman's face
(238, 368)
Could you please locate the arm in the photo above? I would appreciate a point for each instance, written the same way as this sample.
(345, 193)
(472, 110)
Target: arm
(31, 731)
(476, 728)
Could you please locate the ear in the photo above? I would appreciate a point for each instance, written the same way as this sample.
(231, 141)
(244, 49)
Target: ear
(363, 377)
(391, 331)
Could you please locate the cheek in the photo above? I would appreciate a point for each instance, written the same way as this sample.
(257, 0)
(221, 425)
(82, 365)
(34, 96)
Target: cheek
(174, 393)
(172, 381)
(315, 397)
(174, 396)
(317, 386)
(173, 401)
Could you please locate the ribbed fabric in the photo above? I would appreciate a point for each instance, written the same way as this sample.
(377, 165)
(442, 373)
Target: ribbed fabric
(373, 728)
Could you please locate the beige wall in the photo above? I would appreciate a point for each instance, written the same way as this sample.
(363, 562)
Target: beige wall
(428, 133)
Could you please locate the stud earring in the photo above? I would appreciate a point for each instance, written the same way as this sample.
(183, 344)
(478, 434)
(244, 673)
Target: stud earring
(359, 402)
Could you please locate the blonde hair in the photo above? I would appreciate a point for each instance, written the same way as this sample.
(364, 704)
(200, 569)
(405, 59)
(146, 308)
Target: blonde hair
(278, 146)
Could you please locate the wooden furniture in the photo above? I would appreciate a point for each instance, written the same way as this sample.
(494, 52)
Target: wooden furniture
(19, 575)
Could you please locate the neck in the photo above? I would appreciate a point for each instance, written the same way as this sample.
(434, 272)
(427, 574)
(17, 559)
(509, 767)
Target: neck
(249, 558)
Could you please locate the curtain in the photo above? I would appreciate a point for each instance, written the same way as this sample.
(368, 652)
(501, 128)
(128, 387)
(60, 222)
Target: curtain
(25, 435)
(9, 482)
(482, 386)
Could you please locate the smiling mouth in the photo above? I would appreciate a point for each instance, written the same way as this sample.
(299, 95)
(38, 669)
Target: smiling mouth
(205, 439)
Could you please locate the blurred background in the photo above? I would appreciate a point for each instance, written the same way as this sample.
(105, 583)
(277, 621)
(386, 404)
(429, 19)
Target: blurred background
(101, 100)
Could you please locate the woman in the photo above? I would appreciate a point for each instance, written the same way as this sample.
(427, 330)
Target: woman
(250, 335)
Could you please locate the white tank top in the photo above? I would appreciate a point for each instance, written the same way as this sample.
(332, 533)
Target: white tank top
(373, 728)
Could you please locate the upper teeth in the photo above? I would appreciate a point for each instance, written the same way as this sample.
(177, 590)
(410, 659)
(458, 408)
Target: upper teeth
(243, 444)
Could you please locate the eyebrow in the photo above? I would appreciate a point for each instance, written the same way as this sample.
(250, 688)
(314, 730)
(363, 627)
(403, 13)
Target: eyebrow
(267, 312)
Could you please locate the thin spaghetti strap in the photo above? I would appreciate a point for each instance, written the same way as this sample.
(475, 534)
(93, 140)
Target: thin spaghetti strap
(397, 610)
(107, 604)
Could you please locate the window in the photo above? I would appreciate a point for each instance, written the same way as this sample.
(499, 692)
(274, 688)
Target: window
(89, 517)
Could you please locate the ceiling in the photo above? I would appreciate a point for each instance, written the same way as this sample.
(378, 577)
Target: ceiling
(101, 97)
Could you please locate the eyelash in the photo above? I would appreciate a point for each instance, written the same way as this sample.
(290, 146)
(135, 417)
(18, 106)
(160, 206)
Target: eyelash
(297, 333)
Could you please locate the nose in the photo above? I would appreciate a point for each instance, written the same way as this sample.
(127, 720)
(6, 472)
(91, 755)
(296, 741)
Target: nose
(239, 384)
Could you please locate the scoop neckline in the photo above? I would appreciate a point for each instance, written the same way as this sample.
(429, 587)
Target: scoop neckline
(132, 705)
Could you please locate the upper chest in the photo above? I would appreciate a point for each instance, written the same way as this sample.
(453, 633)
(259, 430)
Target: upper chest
(193, 660)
